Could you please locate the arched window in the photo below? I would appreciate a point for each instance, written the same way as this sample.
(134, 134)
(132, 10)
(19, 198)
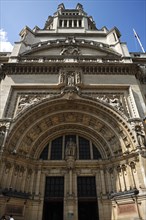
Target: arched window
(85, 149)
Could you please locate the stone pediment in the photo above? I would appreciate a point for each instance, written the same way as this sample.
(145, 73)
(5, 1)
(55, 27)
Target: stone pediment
(72, 48)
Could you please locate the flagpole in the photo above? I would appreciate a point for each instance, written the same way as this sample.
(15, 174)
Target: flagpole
(137, 37)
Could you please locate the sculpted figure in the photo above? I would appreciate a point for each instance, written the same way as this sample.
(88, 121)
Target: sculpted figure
(70, 80)
(115, 102)
(140, 136)
(70, 148)
(78, 77)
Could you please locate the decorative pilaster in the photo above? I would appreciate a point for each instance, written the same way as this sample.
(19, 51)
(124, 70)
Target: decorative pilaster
(70, 156)
(37, 189)
(103, 181)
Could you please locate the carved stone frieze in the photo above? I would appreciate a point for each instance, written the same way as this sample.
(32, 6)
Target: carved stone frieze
(70, 50)
(116, 101)
(27, 100)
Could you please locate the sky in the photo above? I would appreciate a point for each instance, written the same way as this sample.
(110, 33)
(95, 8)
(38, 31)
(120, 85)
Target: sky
(125, 15)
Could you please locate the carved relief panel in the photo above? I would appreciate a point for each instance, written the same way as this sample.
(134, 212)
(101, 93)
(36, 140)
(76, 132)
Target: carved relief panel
(70, 77)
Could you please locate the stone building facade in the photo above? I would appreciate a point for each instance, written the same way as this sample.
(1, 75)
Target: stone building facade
(72, 123)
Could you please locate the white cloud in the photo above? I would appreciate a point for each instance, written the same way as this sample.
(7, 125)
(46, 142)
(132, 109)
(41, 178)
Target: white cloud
(5, 45)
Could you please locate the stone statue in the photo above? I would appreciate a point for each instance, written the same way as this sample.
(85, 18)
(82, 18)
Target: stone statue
(61, 77)
(140, 136)
(70, 148)
(70, 80)
(78, 77)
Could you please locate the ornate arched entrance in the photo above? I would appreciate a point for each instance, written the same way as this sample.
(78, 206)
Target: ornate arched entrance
(48, 177)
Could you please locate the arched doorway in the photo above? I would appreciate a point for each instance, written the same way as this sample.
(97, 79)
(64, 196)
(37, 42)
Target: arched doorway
(39, 137)
(71, 149)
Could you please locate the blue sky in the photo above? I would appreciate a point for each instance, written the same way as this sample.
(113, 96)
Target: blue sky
(125, 15)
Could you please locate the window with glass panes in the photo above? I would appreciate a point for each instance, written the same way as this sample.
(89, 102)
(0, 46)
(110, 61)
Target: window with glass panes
(86, 150)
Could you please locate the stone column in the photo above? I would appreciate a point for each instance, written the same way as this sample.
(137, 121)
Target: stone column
(10, 176)
(6, 175)
(2, 170)
(31, 182)
(24, 180)
(20, 178)
(15, 174)
(98, 183)
(108, 180)
(37, 189)
(118, 176)
(124, 172)
(133, 171)
(70, 157)
(62, 23)
(30, 172)
(103, 181)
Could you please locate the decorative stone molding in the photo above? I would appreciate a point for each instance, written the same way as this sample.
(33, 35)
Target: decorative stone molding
(74, 114)
(93, 67)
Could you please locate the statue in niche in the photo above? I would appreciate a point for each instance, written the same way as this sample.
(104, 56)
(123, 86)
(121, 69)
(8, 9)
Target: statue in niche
(140, 136)
(70, 148)
(70, 79)
(61, 77)
(78, 77)
(2, 135)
